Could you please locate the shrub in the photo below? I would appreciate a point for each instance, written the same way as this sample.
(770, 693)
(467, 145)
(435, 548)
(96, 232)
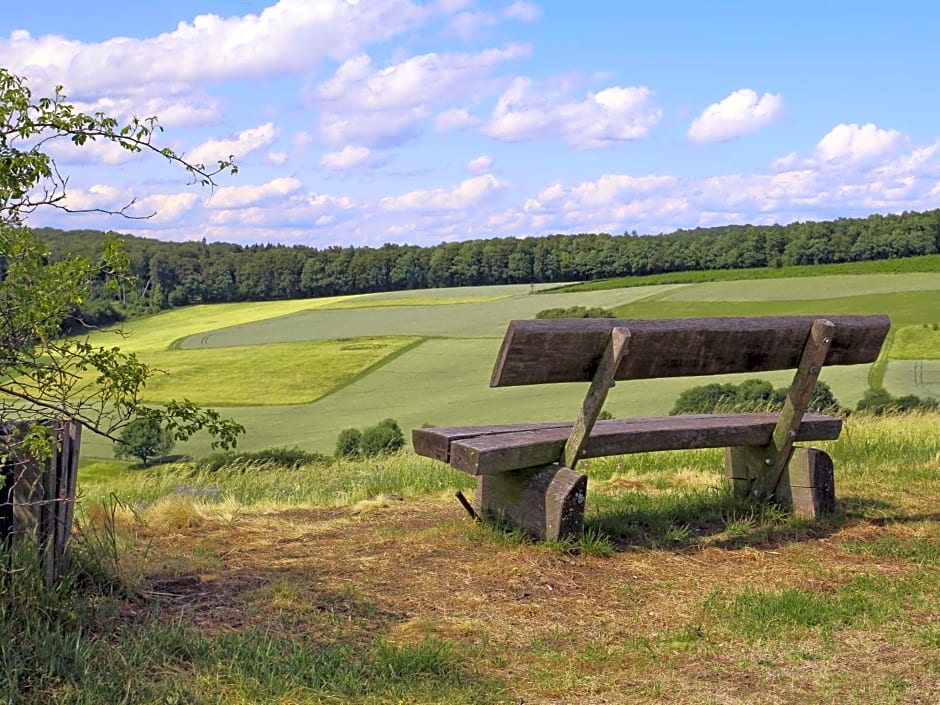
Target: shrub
(284, 457)
(290, 458)
(575, 312)
(347, 443)
(384, 437)
(705, 399)
(750, 395)
(879, 402)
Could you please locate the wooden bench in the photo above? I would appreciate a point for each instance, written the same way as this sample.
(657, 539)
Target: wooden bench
(526, 472)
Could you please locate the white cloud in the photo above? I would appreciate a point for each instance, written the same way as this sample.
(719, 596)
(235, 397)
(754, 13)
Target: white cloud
(456, 119)
(523, 11)
(851, 143)
(175, 109)
(289, 37)
(374, 106)
(167, 207)
(479, 164)
(277, 157)
(347, 158)
(604, 119)
(240, 145)
(741, 113)
(252, 195)
(469, 192)
(102, 151)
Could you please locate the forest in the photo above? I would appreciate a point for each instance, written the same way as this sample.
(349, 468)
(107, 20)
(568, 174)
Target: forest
(172, 274)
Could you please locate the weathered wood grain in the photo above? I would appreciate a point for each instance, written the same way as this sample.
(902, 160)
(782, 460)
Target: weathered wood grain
(596, 396)
(569, 350)
(435, 442)
(491, 451)
(798, 396)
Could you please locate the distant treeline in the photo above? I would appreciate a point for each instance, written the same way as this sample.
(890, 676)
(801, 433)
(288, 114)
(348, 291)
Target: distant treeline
(170, 274)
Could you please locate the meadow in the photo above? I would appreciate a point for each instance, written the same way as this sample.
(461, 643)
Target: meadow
(365, 581)
(295, 373)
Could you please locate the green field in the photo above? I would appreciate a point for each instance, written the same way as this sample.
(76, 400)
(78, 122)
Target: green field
(295, 373)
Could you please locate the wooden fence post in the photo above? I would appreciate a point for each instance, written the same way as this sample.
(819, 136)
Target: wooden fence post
(37, 498)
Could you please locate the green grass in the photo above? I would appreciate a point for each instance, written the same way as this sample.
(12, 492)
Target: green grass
(279, 373)
(918, 377)
(339, 483)
(444, 379)
(158, 332)
(790, 612)
(677, 593)
(487, 319)
(904, 308)
(916, 342)
(928, 263)
(795, 289)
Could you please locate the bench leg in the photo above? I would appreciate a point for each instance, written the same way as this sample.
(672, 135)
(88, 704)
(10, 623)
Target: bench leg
(547, 502)
(807, 484)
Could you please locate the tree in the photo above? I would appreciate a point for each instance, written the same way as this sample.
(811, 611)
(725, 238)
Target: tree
(42, 372)
(143, 438)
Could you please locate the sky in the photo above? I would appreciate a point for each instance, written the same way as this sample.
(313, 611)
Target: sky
(398, 121)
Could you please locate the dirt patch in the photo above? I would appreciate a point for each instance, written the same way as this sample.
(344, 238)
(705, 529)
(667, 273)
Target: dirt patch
(557, 627)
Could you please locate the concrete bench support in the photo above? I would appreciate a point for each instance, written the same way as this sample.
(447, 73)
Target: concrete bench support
(546, 501)
(807, 484)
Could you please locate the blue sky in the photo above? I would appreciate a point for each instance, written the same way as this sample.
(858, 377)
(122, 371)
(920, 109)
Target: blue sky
(360, 123)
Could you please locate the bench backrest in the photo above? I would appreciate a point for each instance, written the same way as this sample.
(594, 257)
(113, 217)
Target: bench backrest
(569, 349)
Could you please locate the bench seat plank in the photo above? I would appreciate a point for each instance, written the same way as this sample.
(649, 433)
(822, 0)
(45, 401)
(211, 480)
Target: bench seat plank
(483, 450)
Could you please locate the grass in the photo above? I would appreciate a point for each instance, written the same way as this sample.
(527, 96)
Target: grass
(904, 308)
(918, 377)
(916, 343)
(261, 584)
(280, 373)
(759, 290)
(195, 344)
(461, 320)
(928, 263)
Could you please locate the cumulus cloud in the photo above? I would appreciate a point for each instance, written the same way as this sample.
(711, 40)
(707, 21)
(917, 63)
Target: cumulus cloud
(741, 113)
(347, 158)
(289, 37)
(852, 143)
(277, 157)
(479, 164)
(380, 106)
(252, 195)
(103, 152)
(605, 119)
(523, 11)
(467, 193)
(239, 145)
(181, 108)
(455, 119)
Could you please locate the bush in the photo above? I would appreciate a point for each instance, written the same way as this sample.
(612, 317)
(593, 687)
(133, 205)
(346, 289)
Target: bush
(575, 312)
(347, 443)
(384, 437)
(290, 458)
(750, 395)
(879, 402)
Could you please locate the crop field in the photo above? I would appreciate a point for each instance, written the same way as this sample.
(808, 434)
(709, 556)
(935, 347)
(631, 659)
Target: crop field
(822, 287)
(296, 373)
